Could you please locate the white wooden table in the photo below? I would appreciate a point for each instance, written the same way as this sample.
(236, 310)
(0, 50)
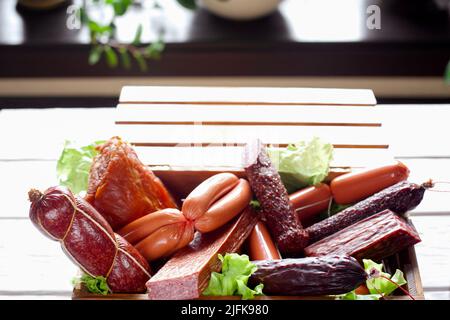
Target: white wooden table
(33, 267)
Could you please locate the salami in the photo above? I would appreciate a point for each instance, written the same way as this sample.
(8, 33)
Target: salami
(375, 237)
(88, 239)
(278, 211)
(399, 198)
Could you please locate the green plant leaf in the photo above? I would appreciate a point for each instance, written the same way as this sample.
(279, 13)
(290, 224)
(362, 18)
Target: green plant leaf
(125, 58)
(233, 278)
(74, 163)
(120, 6)
(97, 28)
(111, 57)
(137, 36)
(140, 60)
(188, 4)
(155, 49)
(95, 54)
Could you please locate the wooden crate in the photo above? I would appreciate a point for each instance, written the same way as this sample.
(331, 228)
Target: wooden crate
(186, 134)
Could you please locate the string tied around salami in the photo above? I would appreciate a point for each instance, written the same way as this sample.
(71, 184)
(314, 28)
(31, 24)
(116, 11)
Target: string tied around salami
(88, 239)
(209, 206)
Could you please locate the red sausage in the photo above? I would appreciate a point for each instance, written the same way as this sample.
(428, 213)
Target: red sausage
(88, 239)
(261, 245)
(206, 193)
(356, 186)
(311, 201)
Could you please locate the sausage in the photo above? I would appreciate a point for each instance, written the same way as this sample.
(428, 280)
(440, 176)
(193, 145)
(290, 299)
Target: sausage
(88, 239)
(278, 211)
(315, 276)
(187, 273)
(226, 208)
(399, 198)
(261, 245)
(206, 193)
(166, 240)
(212, 204)
(376, 237)
(142, 227)
(309, 202)
(160, 233)
(356, 186)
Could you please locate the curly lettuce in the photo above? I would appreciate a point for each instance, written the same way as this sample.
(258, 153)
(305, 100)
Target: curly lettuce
(233, 278)
(73, 165)
(378, 286)
(303, 164)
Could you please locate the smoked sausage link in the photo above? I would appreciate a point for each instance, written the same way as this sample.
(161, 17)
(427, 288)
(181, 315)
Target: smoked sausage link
(212, 204)
(311, 201)
(160, 233)
(88, 239)
(206, 193)
(356, 186)
(278, 212)
(226, 208)
(261, 245)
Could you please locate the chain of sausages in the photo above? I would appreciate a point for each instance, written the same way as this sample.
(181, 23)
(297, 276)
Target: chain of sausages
(88, 239)
(209, 206)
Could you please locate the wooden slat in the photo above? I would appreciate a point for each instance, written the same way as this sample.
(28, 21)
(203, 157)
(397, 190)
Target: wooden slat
(247, 115)
(240, 95)
(231, 156)
(173, 135)
(30, 262)
(434, 250)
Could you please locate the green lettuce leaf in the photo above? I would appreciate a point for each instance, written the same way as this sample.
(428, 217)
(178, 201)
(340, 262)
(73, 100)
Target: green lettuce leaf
(97, 285)
(233, 278)
(377, 286)
(74, 164)
(302, 164)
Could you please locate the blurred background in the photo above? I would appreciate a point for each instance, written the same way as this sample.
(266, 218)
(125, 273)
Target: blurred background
(57, 53)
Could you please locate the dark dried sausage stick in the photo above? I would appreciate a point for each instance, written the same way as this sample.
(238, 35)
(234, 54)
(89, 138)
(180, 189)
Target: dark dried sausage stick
(309, 276)
(278, 212)
(400, 198)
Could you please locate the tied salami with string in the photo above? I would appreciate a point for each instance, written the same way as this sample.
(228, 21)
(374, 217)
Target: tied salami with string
(88, 239)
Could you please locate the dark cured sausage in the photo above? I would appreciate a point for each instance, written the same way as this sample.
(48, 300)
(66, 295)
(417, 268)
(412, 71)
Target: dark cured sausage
(356, 186)
(376, 237)
(309, 276)
(278, 212)
(88, 239)
(400, 198)
(261, 245)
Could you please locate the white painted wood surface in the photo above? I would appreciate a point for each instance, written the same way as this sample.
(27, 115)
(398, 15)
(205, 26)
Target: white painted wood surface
(249, 95)
(33, 267)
